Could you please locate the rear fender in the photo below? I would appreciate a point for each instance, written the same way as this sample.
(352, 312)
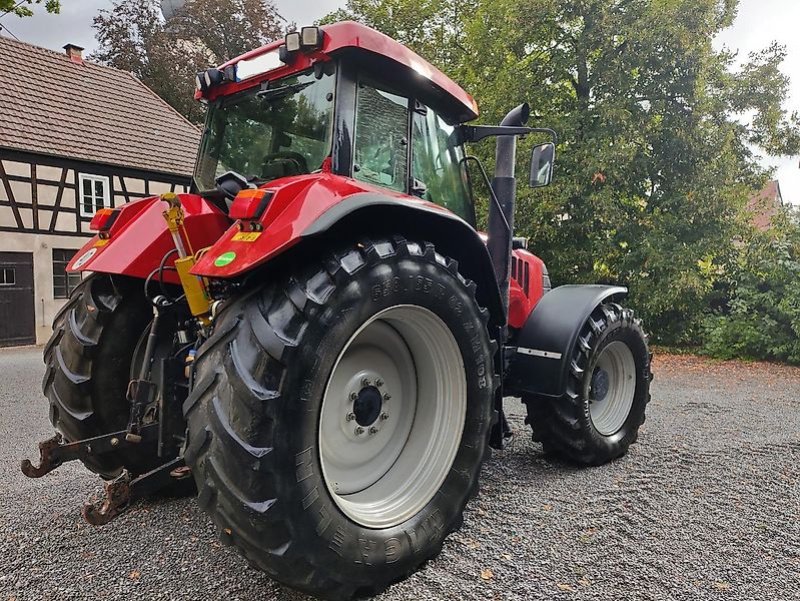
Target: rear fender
(324, 208)
(139, 238)
(546, 342)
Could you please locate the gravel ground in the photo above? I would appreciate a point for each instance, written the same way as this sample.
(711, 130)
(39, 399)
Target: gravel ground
(706, 506)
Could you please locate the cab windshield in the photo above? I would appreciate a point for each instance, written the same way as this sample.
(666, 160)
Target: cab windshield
(266, 134)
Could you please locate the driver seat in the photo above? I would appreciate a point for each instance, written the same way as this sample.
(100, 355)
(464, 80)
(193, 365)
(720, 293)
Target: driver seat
(281, 167)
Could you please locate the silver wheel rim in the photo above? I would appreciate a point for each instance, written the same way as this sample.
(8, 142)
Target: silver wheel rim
(381, 473)
(610, 414)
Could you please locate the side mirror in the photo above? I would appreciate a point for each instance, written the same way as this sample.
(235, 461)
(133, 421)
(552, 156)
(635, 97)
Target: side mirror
(542, 162)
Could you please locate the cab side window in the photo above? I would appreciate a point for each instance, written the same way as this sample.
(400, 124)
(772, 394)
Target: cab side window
(438, 175)
(381, 144)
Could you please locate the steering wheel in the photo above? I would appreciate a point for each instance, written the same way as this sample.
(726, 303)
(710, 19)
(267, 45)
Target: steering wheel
(298, 158)
(231, 183)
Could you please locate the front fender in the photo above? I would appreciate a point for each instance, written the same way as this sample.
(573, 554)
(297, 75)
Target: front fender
(545, 344)
(139, 238)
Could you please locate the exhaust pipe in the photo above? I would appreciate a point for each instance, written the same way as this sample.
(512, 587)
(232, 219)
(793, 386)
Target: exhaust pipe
(501, 219)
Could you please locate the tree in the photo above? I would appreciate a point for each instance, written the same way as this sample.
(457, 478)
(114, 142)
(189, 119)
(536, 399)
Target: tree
(165, 56)
(655, 161)
(22, 8)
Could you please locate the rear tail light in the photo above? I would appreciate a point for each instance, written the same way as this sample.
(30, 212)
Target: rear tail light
(250, 204)
(103, 220)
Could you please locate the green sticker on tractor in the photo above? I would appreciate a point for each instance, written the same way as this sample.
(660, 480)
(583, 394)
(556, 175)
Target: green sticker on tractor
(225, 259)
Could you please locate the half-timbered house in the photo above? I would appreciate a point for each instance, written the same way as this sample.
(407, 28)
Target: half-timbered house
(74, 137)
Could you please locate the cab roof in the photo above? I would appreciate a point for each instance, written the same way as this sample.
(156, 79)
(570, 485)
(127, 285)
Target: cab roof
(411, 69)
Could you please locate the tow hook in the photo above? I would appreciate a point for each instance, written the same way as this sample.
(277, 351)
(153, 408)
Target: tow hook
(123, 491)
(54, 451)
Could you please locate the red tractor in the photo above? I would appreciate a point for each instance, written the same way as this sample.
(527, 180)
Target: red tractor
(317, 337)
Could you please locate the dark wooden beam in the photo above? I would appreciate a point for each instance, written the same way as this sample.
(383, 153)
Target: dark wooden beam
(59, 196)
(34, 197)
(10, 194)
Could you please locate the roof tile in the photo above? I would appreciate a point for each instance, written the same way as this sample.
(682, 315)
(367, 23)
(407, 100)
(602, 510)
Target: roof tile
(51, 105)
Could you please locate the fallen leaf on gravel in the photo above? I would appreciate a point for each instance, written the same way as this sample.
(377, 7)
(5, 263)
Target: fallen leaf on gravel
(566, 587)
(723, 586)
(135, 575)
(584, 582)
(472, 544)
(506, 556)
(547, 507)
(487, 574)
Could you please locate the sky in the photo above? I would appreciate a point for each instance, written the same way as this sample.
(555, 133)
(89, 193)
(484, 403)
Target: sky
(758, 23)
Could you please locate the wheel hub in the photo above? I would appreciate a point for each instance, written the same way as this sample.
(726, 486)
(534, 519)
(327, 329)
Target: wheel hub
(612, 388)
(368, 406)
(600, 384)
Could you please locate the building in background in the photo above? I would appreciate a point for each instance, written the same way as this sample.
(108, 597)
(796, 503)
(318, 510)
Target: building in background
(765, 205)
(74, 137)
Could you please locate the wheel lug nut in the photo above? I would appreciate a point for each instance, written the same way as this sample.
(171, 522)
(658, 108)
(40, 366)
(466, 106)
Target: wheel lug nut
(378, 382)
(359, 431)
(373, 430)
(350, 417)
(365, 382)
(384, 416)
(353, 396)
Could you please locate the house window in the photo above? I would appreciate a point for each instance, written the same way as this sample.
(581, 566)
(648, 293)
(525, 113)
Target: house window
(63, 283)
(8, 276)
(95, 193)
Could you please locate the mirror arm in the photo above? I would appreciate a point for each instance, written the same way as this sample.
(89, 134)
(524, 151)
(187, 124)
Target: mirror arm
(476, 133)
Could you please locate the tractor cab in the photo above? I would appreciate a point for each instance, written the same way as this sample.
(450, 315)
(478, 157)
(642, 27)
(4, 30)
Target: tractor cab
(343, 99)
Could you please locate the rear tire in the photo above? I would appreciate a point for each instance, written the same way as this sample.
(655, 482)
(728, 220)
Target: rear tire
(273, 419)
(607, 392)
(88, 361)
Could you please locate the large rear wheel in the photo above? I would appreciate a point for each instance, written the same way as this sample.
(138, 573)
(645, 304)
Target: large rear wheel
(339, 417)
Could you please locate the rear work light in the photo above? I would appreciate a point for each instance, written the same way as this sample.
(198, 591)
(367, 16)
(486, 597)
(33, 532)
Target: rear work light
(103, 220)
(250, 204)
(308, 38)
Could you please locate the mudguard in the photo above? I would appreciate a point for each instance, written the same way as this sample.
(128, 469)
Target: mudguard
(309, 208)
(139, 238)
(545, 344)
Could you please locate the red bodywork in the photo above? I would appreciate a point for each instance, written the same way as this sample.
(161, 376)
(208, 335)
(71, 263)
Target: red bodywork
(527, 286)
(139, 238)
(340, 36)
(296, 203)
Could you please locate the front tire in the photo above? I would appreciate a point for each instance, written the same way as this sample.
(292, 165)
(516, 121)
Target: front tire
(289, 389)
(607, 392)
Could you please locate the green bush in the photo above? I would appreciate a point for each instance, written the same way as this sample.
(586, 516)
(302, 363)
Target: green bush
(761, 319)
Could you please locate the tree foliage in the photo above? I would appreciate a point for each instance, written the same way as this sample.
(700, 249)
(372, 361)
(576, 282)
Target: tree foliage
(657, 132)
(760, 315)
(24, 8)
(133, 36)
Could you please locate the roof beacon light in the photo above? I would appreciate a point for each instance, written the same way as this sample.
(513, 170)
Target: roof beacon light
(311, 38)
(293, 41)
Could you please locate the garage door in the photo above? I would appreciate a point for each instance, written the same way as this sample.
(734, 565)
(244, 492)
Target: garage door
(16, 299)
